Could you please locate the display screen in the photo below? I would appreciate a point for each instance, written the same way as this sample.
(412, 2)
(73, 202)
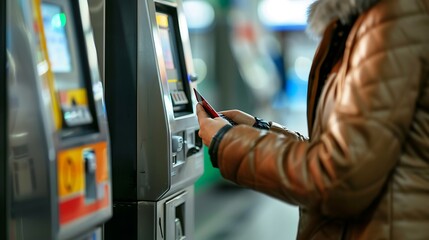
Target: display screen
(62, 47)
(54, 22)
(172, 64)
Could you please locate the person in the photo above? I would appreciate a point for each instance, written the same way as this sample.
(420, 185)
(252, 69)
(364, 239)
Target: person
(363, 173)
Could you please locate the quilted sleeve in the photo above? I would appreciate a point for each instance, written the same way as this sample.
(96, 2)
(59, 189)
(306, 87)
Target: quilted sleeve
(341, 172)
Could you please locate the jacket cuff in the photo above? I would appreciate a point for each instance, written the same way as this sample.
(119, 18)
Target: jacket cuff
(214, 145)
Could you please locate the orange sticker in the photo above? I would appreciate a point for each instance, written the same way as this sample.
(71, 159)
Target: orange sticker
(73, 97)
(71, 168)
(102, 170)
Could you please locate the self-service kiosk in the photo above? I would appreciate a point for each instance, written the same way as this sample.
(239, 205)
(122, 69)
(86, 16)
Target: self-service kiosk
(57, 136)
(156, 152)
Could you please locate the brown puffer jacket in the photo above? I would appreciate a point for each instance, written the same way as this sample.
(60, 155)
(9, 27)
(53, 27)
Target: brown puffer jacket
(364, 172)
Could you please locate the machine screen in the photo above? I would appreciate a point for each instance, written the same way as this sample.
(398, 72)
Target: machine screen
(62, 47)
(171, 61)
(54, 21)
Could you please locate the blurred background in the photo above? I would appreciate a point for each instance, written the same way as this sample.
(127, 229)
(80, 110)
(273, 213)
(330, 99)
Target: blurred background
(252, 55)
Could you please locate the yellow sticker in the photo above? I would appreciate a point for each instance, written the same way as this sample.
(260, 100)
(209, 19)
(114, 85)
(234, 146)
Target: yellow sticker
(70, 172)
(162, 20)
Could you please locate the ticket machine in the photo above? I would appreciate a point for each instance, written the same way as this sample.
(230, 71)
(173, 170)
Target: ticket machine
(57, 137)
(156, 152)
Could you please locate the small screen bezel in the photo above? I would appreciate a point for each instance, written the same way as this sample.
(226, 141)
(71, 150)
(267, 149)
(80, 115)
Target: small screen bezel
(71, 44)
(176, 38)
(80, 62)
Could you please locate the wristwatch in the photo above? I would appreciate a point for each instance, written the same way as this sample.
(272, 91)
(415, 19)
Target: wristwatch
(261, 124)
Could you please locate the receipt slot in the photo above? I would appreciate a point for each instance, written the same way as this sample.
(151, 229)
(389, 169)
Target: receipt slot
(156, 152)
(57, 146)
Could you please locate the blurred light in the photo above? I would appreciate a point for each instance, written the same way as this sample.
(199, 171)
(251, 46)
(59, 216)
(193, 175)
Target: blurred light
(302, 68)
(284, 14)
(59, 20)
(199, 15)
(42, 67)
(200, 69)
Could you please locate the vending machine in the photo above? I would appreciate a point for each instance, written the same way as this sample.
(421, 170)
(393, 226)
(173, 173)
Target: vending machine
(156, 151)
(57, 137)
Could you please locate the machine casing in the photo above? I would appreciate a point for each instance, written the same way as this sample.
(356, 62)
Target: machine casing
(59, 167)
(156, 152)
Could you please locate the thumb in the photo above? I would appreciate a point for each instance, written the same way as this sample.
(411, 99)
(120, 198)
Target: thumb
(201, 113)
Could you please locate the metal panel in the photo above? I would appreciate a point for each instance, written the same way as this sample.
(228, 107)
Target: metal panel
(139, 106)
(97, 13)
(154, 158)
(28, 160)
(153, 220)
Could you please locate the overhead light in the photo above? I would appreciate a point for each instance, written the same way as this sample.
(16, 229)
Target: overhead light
(284, 14)
(302, 68)
(199, 15)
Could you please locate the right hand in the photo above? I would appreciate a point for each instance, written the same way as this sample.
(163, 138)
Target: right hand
(239, 117)
(208, 126)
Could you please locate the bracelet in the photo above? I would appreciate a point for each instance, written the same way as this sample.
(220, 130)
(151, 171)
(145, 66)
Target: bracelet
(261, 124)
(214, 145)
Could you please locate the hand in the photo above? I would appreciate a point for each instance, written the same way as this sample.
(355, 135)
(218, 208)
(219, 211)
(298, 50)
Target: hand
(208, 126)
(239, 117)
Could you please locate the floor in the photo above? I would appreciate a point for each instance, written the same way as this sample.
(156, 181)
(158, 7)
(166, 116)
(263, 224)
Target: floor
(227, 212)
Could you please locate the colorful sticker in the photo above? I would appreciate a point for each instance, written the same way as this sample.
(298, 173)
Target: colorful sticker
(83, 181)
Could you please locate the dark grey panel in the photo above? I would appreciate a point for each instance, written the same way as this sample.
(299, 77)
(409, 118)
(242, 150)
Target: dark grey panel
(121, 94)
(124, 223)
(3, 117)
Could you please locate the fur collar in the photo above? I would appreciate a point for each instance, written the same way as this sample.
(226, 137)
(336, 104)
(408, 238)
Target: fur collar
(322, 12)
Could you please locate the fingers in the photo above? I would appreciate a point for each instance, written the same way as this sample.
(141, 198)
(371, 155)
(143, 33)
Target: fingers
(234, 115)
(239, 117)
(201, 113)
(230, 113)
(208, 126)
